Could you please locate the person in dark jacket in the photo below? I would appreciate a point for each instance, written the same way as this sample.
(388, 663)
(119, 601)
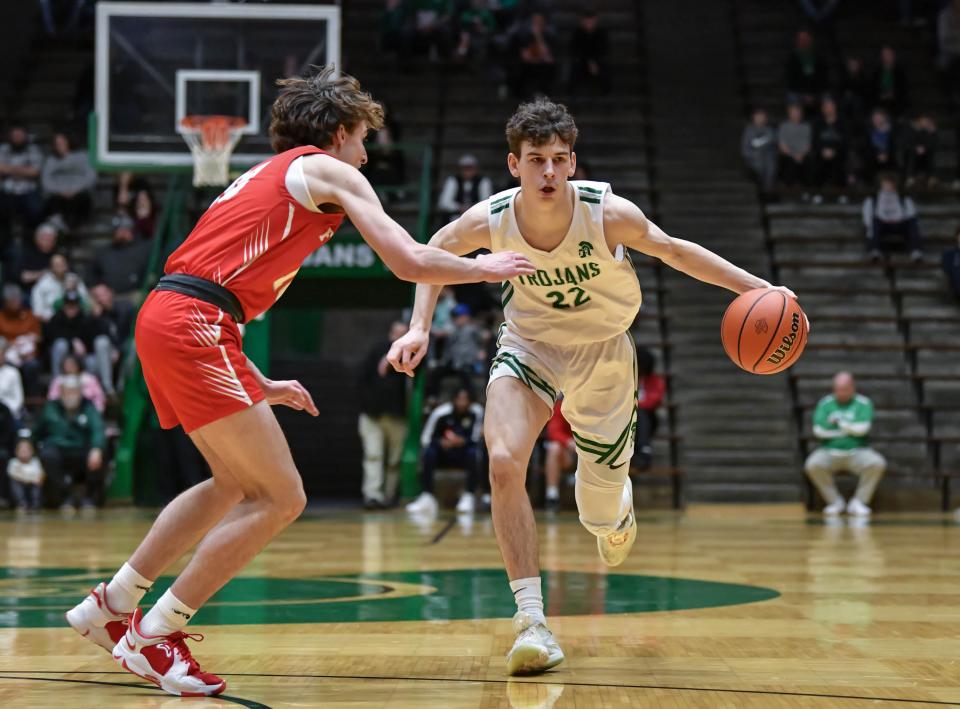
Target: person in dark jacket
(85, 335)
(383, 422)
(71, 441)
(123, 263)
(830, 144)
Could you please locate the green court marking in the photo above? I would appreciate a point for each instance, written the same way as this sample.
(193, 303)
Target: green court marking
(38, 597)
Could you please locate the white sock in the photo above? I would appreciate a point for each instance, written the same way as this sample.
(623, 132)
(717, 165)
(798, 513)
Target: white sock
(529, 597)
(168, 616)
(126, 589)
(553, 492)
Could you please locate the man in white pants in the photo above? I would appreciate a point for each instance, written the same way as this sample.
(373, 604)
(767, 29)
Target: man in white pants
(567, 330)
(842, 422)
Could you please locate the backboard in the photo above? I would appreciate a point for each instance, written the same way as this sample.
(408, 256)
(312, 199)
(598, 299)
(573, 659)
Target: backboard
(159, 61)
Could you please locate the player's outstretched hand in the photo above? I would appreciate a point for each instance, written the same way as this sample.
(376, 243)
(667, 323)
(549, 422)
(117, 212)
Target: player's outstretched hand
(407, 352)
(790, 294)
(289, 393)
(504, 265)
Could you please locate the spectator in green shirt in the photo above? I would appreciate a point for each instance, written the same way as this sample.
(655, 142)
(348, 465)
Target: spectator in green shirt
(842, 422)
(71, 439)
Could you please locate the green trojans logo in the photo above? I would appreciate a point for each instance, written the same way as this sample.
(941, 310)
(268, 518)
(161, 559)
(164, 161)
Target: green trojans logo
(586, 248)
(38, 597)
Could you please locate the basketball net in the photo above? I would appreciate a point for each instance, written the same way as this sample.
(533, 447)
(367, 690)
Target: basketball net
(211, 140)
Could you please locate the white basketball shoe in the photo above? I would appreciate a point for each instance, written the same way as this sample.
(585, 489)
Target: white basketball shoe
(535, 649)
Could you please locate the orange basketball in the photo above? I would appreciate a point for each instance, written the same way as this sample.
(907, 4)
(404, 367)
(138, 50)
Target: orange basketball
(764, 331)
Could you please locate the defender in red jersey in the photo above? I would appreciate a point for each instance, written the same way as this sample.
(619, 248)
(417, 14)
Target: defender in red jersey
(238, 260)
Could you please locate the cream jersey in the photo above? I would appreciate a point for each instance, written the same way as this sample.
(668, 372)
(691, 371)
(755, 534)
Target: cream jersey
(581, 292)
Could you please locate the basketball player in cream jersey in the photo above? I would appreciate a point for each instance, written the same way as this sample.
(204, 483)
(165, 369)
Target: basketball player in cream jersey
(566, 331)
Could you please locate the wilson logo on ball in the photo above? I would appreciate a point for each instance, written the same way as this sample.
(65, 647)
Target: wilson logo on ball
(776, 357)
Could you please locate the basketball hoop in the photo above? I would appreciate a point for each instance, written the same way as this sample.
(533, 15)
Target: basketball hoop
(211, 140)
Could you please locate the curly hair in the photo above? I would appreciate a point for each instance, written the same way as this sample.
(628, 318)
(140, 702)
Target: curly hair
(538, 121)
(310, 109)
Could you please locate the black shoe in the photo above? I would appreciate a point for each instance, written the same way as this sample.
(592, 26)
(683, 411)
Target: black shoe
(552, 504)
(373, 505)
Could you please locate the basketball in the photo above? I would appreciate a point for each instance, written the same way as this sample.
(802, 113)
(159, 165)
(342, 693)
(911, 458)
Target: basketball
(764, 331)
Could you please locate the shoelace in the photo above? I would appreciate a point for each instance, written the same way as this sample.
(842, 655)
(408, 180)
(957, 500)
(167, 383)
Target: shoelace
(178, 642)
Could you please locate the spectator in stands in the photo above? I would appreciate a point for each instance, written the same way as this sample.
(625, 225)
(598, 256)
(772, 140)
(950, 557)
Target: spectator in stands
(855, 90)
(125, 190)
(533, 50)
(36, 255)
(451, 438)
(144, 214)
(795, 139)
(890, 83)
(806, 72)
(26, 476)
(22, 330)
(463, 190)
(20, 164)
(758, 146)
(442, 324)
(117, 315)
(55, 281)
(919, 151)
(71, 443)
(589, 49)
(68, 181)
(464, 351)
(90, 387)
(830, 145)
(383, 422)
(386, 164)
(561, 452)
(889, 214)
(950, 261)
(842, 423)
(393, 27)
(948, 40)
(432, 27)
(71, 330)
(881, 148)
(122, 265)
(11, 383)
(650, 391)
(475, 26)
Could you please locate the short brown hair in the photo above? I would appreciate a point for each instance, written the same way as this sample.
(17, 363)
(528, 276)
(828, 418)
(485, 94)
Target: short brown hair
(309, 109)
(538, 121)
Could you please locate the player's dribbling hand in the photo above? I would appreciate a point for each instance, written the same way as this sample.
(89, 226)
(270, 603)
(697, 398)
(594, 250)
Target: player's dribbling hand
(407, 352)
(504, 265)
(790, 294)
(289, 393)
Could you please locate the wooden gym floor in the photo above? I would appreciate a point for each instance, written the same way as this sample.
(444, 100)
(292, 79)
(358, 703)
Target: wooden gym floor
(717, 607)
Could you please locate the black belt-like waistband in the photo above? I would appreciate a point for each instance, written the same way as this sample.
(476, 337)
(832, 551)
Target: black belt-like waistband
(202, 289)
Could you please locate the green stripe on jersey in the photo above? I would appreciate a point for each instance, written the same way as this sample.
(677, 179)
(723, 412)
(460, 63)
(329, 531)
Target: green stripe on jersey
(498, 209)
(589, 189)
(584, 198)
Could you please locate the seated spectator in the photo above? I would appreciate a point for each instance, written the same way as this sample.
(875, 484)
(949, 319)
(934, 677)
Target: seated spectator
(890, 83)
(36, 255)
(948, 42)
(70, 437)
(475, 25)
(806, 72)
(71, 330)
(450, 438)
(650, 391)
(830, 145)
(20, 199)
(56, 281)
(463, 190)
(758, 146)
(90, 386)
(533, 64)
(842, 423)
(117, 315)
(919, 151)
(22, 331)
(950, 261)
(26, 476)
(855, 90)
(889, 214)
(11, 383)
(881, 148)
(126, 188)
(432, 27)
(386, 164)
(383, 422)
(795, 143)
(122, 265)
(144, 214)
(589, 49)
(464, 352)
(68, 181)
(561, 455)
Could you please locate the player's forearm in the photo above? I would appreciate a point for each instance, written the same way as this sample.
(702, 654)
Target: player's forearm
(430, 265)
(706, 266)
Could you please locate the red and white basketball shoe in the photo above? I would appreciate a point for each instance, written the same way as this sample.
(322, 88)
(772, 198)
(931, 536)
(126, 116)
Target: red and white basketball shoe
(96, 621)
(166, 661)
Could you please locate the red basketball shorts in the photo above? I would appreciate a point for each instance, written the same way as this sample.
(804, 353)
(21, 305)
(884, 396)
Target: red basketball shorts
(192, 361)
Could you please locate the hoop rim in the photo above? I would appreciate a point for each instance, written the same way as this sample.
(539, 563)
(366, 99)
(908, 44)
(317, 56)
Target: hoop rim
(195, 123)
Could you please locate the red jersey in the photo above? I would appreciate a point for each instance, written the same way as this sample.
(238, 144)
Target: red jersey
(254, 237)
